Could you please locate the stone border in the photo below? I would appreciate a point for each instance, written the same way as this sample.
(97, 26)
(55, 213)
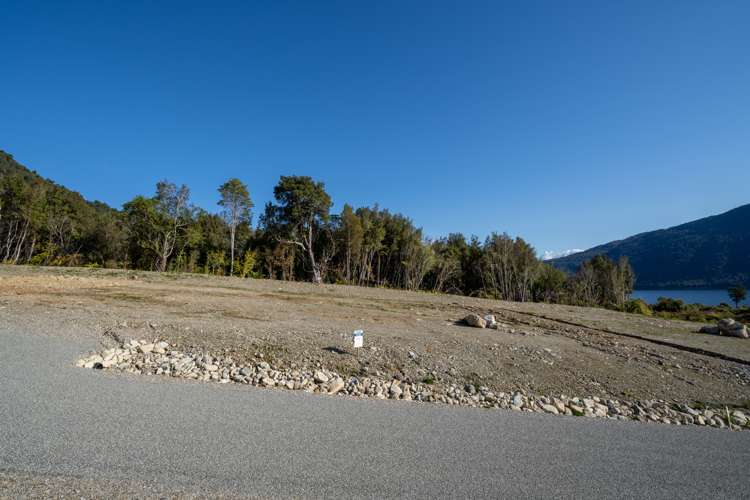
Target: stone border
(158, 358)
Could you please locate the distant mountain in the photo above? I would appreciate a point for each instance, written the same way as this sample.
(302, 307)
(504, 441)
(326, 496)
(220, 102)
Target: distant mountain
(713, 252)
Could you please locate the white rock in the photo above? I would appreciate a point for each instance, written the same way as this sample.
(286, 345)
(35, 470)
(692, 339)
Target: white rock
(475, 320)
(146, 348)
(550, 409)
(268, 381)
(395, 391)
(336, 386)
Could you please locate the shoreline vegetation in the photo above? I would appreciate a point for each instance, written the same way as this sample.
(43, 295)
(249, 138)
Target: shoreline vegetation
(297, 238)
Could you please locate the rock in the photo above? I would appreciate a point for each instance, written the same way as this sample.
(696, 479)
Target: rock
(739, 418)
(143, 358)
(475, 320)
(517, 400)
(395, 391)
(412, 355)
(146, 348)
(576, 410)
(600, 410)
(732, 328)
(336, 385)
(559, 405)
(713, 330)
(268, 381)
(690, 411)
(550, 409)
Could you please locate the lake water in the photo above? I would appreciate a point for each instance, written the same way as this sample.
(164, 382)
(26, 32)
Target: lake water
(707, 297)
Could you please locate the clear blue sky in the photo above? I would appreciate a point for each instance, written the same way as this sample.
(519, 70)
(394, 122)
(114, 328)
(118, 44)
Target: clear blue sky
(567, 123)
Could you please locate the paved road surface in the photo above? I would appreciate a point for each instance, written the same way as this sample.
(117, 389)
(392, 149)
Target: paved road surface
(159, 435)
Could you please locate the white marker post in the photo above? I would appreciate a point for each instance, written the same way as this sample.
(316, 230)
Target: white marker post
(358, 338)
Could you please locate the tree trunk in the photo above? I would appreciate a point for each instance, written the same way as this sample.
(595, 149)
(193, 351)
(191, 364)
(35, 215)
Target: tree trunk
(231, 264)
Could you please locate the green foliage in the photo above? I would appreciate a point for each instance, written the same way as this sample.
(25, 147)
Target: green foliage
(550, 284)
(667, 304)
(249, 261)
(215, 263)
(301, 218)
(638, 306)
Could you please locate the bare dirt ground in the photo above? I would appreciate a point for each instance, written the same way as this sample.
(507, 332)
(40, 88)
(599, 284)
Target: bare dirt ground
(541, 348)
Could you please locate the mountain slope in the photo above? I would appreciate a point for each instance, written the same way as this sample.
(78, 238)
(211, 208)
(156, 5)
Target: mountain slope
(711, 252)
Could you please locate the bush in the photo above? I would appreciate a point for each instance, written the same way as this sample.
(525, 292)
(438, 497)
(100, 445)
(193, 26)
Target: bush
(638, 306)
(666, 304)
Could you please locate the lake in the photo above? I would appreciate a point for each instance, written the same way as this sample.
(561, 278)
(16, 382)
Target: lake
(707, 297)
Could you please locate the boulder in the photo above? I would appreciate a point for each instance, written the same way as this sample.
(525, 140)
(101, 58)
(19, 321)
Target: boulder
(475, 320)
(732, 328)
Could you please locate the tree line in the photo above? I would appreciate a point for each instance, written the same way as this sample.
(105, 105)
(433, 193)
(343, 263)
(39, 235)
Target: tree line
(297, 237)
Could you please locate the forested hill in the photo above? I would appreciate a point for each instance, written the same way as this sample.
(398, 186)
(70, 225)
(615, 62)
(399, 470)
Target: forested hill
(9, 166)
(71, 200)
(42, 221)
(712, 252)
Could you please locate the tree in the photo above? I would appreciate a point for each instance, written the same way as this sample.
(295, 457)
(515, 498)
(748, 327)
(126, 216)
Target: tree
(237, 204)
(549, 284)
(509, 267)
(352, 232)
(155, 224)
(301, 216)
(737, 294)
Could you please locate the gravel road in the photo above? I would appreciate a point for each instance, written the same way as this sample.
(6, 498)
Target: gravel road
(86, 433)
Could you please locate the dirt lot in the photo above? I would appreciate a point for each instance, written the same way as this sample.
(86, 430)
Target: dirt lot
(543, 349)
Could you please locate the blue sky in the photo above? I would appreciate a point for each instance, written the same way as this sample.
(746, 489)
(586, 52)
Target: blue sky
(567, 123)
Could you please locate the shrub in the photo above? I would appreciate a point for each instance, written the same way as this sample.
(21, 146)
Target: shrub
(638, 306)
(666, 304)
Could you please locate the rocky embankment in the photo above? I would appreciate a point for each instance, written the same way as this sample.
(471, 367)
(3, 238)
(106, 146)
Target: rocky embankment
(159, 358)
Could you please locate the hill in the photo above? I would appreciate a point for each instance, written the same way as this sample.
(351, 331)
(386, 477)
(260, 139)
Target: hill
(9, 167)
(46, 223)
(713, 252)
